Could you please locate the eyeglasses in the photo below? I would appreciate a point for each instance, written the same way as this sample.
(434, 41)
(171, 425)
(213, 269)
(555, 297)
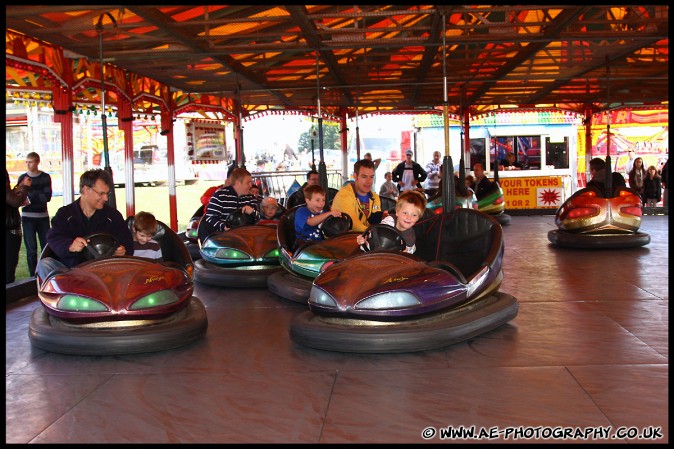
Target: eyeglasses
(100, 194)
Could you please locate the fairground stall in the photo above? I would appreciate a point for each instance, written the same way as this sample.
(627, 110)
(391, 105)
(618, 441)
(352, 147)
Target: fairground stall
(549, 145)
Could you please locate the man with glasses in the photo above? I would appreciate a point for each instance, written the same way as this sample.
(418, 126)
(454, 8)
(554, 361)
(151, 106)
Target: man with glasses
(89, 214)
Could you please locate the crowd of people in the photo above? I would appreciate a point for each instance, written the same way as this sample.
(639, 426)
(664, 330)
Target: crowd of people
(27, 215)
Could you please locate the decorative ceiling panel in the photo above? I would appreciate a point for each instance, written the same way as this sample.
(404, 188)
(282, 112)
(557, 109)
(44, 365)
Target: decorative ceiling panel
(374, 57)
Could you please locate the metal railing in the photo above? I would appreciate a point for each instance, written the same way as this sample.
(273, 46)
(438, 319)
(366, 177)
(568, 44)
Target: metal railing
(279, 183)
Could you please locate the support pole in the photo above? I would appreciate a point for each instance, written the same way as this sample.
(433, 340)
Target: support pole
(322, 170)
(608, 185)
(112, 201)
(448, 193)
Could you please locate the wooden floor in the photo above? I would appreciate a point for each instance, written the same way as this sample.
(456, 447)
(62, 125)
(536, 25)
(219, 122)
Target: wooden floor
(587, 355)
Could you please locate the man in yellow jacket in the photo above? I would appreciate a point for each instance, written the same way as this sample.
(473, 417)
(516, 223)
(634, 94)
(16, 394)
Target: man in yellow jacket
(357, 198)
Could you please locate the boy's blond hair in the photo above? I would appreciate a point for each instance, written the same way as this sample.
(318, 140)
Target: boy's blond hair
(416, 199)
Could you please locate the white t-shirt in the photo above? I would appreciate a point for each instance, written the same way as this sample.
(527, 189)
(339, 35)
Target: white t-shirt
(407, 179)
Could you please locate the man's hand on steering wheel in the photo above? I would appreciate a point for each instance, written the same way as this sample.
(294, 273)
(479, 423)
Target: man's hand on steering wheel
(103, 245)
(78, 244)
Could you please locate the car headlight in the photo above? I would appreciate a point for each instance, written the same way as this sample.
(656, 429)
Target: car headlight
(582, 212)
(318, 296)
(155, 299)
(77, 303)
(388, 300)
(274, 253)
(231, 253)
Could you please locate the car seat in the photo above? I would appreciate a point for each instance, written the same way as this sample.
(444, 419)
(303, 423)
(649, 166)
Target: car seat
(466, 239)
(285, 232)
(388, 204)
(173, 249)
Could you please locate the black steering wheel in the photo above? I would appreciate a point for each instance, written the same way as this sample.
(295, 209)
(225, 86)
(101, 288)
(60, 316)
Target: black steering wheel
(333, 226)
(381, 236)
(238, 218)
(101, 246)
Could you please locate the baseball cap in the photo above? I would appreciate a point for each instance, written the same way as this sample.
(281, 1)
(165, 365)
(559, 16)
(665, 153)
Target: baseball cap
(409, 153)
(269, 201)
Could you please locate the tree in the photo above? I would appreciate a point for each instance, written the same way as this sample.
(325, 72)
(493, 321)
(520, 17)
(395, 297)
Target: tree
(330, 138)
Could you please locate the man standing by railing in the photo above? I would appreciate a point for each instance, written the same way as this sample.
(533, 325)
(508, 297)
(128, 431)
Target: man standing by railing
(260, 181)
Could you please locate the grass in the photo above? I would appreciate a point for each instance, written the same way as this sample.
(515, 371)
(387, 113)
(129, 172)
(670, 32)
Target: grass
(149, 199)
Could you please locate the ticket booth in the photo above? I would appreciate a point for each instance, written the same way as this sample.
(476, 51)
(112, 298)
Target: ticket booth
(545, 145)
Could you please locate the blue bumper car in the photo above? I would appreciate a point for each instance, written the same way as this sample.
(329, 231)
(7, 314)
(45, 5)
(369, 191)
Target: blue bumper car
(243, 256)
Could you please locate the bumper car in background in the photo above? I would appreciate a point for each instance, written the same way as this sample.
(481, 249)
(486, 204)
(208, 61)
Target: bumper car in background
(464, 200)
(444, 293)
(191, 238)
(243, 256)
(302, 265)
(493, 203)
(119, 305)
(464, 196)
(590, 219)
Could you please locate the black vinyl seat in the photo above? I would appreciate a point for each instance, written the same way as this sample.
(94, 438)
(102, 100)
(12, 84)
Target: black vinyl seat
(173, 249)
(285, 233)
(466, 239)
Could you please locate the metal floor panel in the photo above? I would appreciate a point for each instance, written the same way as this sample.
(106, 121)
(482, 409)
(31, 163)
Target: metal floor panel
(588, 353)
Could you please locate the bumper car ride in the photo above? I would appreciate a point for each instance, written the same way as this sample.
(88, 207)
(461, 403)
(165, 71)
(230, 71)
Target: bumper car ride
(388, 301)
(590, 220)
(119, 305)
(242, 257)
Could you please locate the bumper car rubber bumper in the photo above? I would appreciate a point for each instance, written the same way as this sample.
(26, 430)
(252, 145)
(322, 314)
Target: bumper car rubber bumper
(425, 333)
(236, 277)
(598, 240)
(290, 286)
(56, 335)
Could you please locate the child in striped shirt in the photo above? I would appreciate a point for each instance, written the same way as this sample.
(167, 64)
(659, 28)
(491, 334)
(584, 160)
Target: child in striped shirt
(144, 229)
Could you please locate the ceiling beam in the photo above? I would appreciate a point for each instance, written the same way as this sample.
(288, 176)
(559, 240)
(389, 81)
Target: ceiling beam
(186, 37)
